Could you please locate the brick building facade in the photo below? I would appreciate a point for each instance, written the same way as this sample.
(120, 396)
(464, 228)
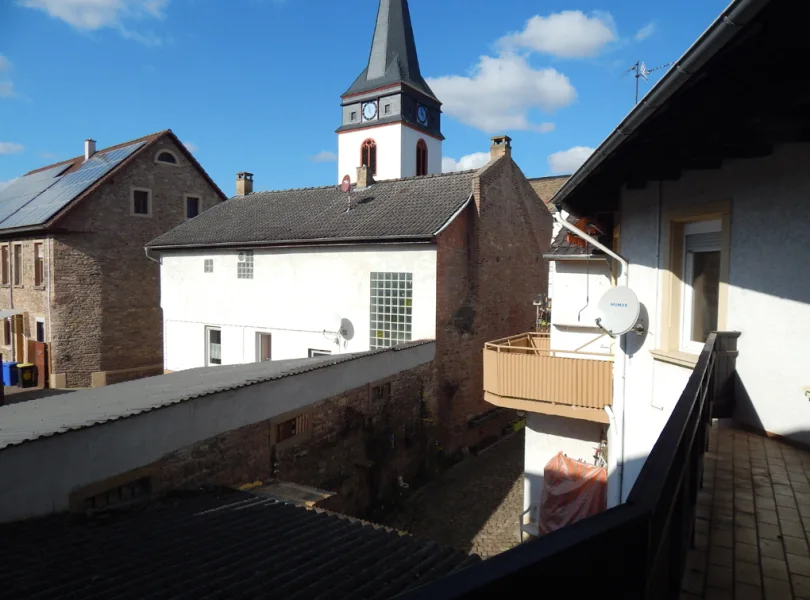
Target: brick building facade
(85, 286)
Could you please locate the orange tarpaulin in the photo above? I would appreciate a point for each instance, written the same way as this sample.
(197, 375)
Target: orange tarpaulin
(572, 490)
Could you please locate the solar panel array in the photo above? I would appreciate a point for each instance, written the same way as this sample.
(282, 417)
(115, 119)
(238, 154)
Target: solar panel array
(33, 199)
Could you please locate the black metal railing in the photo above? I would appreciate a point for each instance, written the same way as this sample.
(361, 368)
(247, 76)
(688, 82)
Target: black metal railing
(637, 549)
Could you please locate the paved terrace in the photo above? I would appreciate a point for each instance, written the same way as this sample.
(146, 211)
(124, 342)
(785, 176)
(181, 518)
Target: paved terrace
(753, 521)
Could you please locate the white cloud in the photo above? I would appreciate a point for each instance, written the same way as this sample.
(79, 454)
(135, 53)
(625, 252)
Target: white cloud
(5, 184)
(48, 155)
(324, 156)
(191, 147)
(5, 64)
(645, 32)
(6, 89)
(500, 92)
(92, 15)
(567, 34)
(11, 148)
(568, 161)
(465, 163)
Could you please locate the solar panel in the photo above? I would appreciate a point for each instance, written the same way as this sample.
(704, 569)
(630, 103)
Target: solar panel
(25, 189)
(43, 206)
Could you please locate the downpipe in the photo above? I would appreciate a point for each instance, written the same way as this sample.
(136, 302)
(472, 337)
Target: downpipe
(621, 367)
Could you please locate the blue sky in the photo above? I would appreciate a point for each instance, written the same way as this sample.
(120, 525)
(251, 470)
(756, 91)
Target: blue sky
(255, 84)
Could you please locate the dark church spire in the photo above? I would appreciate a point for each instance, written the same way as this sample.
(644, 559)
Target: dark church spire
(393, 56)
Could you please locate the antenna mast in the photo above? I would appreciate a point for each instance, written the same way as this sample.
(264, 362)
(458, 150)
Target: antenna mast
(640, 71)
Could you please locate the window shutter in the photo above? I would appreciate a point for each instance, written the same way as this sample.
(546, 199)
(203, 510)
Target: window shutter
(704, 242)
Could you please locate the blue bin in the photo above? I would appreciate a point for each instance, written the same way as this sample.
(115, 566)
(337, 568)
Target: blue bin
(10, 373)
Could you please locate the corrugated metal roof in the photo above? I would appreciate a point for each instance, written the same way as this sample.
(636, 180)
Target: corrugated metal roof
(220, 543)
(27, 421)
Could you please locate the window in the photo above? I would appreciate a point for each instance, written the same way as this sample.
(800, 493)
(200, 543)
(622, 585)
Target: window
(421, 158)
(313, 353)
(244, 265)
(6, 267)
(7, 332)
(166, 157)
(18, 264)
(291, 428)
(141, 202)
(208, 265)
(264, 343)
(701, 277)
(192, 206)
(40, 330)
(354, 115)
(368, 155)
(39, 265)
(381, 392)
(388, 109)
(391, 309)
(213, 343)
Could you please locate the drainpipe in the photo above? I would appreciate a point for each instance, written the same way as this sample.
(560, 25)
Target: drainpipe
(146, 251)
(621, 366)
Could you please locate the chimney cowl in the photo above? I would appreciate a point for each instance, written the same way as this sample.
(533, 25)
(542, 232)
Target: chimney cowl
(501, 146)
(365, 177)
(244, 183)
(89, 148)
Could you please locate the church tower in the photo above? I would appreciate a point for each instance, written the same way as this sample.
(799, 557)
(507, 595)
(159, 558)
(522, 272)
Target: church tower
(391, 117)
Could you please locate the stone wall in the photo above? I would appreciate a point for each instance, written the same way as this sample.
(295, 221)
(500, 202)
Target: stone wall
(355, 445)
(106, 299)
(490, 270)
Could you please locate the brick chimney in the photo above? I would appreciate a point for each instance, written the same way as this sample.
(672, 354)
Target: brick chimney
(244, 183)
(364, 177)
(501, 146)
(89, 148)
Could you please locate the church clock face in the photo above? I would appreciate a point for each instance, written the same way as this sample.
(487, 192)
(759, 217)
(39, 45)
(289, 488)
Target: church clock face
(422, 115)
(369, 110)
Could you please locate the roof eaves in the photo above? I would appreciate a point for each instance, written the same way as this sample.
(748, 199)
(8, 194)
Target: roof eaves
(452, 218)
(738, 14)
(300, 243)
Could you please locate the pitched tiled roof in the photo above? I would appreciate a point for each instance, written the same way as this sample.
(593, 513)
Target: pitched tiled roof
(397, 209)
(220, 543)
(561, 247)
(546, 187)
(41, 197)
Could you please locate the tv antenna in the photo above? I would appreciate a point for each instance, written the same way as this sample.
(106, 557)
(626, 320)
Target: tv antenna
(640, 71)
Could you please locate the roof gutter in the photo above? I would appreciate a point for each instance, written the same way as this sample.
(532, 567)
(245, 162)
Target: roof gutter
(738, 14)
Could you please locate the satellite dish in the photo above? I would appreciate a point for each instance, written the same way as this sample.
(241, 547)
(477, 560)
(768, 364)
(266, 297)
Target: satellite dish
(618, 311)
(346, 329)
(346, 184)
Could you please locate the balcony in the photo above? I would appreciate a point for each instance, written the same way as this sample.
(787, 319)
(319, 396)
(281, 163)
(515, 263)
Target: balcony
(524, 373)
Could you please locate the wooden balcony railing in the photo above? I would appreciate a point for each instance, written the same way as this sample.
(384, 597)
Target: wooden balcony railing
(524, 373)
(636, 550)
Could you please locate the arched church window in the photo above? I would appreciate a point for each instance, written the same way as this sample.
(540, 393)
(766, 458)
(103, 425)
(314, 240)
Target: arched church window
(368, 155)
(421, 158)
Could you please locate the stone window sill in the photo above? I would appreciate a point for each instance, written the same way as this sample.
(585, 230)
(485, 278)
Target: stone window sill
(5, 285)
(19, 286)
(38, 287)
(675, 357)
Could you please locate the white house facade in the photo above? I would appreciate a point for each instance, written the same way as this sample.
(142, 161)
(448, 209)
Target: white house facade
(239, 306)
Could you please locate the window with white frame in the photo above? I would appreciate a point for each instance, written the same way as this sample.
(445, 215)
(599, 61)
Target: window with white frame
(208, 265)
(702, 256)
(244, 264)
(213, 346)
(313, 353)
(391, 309)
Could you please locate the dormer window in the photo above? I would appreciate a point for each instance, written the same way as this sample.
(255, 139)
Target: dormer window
(166, 157)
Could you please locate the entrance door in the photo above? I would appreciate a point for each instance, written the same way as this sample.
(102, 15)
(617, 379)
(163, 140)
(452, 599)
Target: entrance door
(263, 347)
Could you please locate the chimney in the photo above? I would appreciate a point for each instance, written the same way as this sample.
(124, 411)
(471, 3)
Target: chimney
(501, 146)
(244, 184)
(364, 177)
(89, 148)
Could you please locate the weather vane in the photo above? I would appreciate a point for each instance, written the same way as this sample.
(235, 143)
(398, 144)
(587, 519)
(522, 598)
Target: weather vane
(641, 72)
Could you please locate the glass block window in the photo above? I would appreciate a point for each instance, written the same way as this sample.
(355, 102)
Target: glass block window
(244, 266)
(391, 309)
(208, 265)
